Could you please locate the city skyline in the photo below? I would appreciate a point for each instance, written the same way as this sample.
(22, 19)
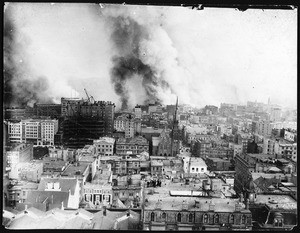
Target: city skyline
(57, 50)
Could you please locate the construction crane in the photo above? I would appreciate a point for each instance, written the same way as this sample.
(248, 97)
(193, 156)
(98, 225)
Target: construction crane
(89, 100)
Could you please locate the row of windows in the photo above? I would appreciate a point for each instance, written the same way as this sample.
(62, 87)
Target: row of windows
(104, 145)
(205, 218)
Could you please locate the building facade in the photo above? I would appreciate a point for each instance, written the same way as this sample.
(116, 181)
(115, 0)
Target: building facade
(132, 146)
(105, 146)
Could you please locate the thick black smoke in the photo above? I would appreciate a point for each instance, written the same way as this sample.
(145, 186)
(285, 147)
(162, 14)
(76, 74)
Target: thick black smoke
(127, 36)
(21, 87)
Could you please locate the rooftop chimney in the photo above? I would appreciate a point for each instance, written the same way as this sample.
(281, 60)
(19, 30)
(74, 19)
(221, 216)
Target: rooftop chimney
(197, 204)
(247, 204)
(238, 207)
(211, 206)
(184, 205)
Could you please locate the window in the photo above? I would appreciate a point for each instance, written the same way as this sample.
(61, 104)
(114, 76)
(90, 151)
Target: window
(216, 218)
(193, 169)
(197, 169)
(190, 217)
(179, 217)
(205, 218)
(163, 215)
(244, 218)
(152, 216)
(231, 218)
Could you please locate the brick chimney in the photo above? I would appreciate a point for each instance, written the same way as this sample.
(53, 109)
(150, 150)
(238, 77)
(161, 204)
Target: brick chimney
(211, 206)
(184, 205)
(238, 207)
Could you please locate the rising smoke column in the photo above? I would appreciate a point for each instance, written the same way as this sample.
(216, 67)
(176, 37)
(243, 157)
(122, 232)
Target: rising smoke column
(21, 86)
(127, 37)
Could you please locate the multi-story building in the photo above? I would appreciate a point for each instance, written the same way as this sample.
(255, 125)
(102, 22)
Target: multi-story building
(119, 123)
(290, 135)
(275, 114)
(156, 167)
(15, 131)
(237, 148)
(210, 109)
(269, 145)
(36, 131)
(69, 106)
(138, 112)
(197, 166)
(85, 120)
(97, 194)
(243, 139)
(129, 127)
(132, 146)
(201, 148)
(19, 154)
(264, 128)
(27, 171)
(127, 191)
(51, 110)
(48, 129)
(194, 213)
(126, 165)
(105, 146)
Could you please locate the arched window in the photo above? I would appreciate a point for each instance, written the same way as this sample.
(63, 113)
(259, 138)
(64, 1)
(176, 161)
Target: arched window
(179, 217)
(280, 223)
(205, 218)
(190, 217)
(231, 218)
(152, 216)
(163, 215)
(244, 218)
(216, 218)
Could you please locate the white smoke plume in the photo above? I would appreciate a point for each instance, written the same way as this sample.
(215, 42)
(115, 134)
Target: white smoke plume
(204, 57)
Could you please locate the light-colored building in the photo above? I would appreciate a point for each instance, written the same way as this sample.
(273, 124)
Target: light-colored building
(15, 131)
(69, 185)
(96, 195)
(105, 146)
(27, 171)
(36, 131)
(197, 166)
(138, 112)
(119, 123)
(290, 135)
(21, 153)
(264, 128)
(237, 148)
(275, 114)
(48, 129)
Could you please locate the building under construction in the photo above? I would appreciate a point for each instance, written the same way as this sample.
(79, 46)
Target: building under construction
(86, 120)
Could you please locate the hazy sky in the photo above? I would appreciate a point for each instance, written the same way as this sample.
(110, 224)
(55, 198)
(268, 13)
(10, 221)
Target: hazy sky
(206, 57)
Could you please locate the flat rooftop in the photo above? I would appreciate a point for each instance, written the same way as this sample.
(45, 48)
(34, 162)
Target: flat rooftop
(176, 203)
(281, 201)
(73, 168)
